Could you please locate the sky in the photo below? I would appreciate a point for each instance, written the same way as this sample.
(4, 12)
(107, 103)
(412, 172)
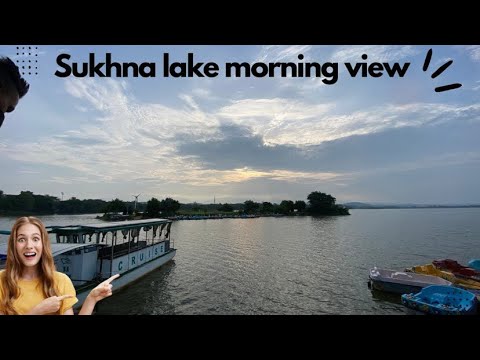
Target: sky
(370, 139)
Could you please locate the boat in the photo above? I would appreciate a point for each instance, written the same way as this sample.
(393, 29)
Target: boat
(457, 269)
(430, 269)
(474, 264)
(90, 254)
(400, 282)
(441, 300)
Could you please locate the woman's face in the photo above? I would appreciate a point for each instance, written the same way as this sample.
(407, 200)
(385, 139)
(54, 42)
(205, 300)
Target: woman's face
(28, 245)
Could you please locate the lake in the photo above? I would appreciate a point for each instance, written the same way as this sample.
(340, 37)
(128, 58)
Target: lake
(291, 265)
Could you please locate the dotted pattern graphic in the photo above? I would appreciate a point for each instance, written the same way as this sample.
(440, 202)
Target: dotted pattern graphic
(27, 60)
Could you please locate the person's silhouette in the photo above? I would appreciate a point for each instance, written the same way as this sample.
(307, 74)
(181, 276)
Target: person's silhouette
(12, 87)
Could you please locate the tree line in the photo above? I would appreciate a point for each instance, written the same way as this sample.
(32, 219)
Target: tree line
(29, 203)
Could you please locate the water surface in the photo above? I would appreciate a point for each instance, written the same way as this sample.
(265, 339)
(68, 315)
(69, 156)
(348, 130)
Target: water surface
(299, 265)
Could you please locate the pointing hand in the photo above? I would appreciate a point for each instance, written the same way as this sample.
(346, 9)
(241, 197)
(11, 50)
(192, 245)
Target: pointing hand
(104, 289)
(50, 305)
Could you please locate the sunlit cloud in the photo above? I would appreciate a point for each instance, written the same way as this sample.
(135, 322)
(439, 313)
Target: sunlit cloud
(284, 122)
(208, 177)
(378, 53)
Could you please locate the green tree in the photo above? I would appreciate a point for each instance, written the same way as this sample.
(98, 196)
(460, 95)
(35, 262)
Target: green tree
(25, 201)
(286, 207)
(169, 206)
(250, 207)
(45, 204)
(225, 208)
(300, 205)
(71, 206)
(195, 207)
(116, 205)
(153, 207)
(324, 204)
(267, 208)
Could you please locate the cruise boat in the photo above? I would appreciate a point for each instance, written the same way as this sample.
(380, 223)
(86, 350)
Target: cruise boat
(90, 254)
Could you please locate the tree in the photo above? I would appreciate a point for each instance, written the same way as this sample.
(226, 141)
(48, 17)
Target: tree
(195, 207)
(26, 201)
(45, 204)
(71, 206)
(324, 204)
(169, 206)
(116, 205)
(267, 208)
(153, 207)
(225, 208)
(300, 205)
(286, 207)
(250, 207)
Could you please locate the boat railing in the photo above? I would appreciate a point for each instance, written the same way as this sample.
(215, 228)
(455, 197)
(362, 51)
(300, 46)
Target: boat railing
(123, 249)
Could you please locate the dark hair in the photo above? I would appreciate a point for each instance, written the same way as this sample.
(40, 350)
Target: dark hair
(11, 70)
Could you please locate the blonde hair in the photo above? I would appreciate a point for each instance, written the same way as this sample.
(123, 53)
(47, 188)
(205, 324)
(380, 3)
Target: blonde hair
(14, 267)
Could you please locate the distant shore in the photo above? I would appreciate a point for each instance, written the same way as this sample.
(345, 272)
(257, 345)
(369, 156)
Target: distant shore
(406, 206)
(362, 206)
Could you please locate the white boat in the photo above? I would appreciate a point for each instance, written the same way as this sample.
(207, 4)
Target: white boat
(402, 282)
(89, 254)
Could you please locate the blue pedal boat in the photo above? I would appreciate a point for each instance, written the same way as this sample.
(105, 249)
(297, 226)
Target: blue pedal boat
(474, 264)
(441, 300)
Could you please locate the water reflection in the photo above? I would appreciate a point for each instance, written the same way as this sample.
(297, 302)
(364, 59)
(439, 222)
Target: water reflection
(292, 265)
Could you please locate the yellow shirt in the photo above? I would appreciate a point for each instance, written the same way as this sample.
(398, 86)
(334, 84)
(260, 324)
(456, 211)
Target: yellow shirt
(31, 293)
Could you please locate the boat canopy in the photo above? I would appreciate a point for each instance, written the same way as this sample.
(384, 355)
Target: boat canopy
(106, 227)
(101, 227)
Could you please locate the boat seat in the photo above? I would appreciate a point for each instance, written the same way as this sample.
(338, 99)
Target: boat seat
(404, 274)
(438, 298)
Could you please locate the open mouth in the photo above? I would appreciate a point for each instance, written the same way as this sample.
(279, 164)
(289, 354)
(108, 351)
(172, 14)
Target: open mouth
(30, 254)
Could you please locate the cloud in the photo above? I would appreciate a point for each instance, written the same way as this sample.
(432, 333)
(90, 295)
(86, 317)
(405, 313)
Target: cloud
(275, 119)
(239, 148)
(473, 51)
(274, 139)
(280, 53)
(378, 53)
(287, 122)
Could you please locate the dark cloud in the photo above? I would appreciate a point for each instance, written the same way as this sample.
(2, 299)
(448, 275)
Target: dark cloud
(239, 148)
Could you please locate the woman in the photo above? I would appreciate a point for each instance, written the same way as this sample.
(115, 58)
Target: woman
(29, 285)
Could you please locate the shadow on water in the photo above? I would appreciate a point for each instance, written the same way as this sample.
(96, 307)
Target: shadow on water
(386, 301)
(147, 293)
(386, 297)
(392, 302)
